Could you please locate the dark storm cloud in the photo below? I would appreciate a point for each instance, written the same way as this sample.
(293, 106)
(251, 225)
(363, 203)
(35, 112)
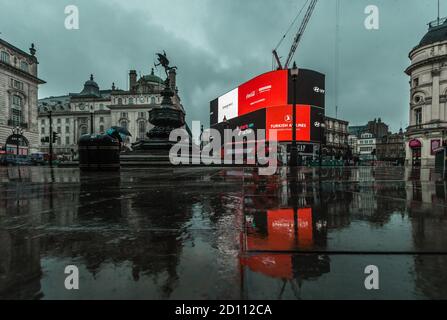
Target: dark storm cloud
(219, 44)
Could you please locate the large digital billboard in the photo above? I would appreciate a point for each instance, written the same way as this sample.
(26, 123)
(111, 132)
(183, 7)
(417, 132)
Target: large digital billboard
(266, 101)
(269, 90)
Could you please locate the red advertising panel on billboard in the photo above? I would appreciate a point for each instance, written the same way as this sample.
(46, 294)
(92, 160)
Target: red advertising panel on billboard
(267, 90)
(280, 118)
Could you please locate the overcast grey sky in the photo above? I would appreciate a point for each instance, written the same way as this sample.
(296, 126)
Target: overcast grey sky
(219, 44)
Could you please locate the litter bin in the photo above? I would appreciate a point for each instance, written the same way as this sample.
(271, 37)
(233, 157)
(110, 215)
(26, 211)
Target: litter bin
(99, 153)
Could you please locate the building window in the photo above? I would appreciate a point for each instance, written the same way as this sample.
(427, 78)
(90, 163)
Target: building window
(101, 128)
(67, 129)
(67, 140)
(153, 100)
(83, 130)
(120, 101)
(59, 130)
(16, 110)
(42, 122)
(24, 66)
(141, 130)
(67, 120)
(42, 130)
(17, 84)
(101, 119)
(141, 115)
(123, 124)
(124, 115)
(4, 57)
(418, 116)
(415, 82)
(59, 121)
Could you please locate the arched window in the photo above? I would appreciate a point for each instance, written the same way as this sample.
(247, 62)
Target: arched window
(83, 130)
(141, 130)
(130, 100)
(24, 66)
(4, 57)
(120, 101)
(16, 110)
(153, 100)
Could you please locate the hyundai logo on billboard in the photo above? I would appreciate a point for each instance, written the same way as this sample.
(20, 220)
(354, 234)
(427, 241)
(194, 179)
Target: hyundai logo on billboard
(317, 124)
(310, 88)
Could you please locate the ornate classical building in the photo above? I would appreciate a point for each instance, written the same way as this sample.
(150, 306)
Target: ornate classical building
(336, 136)
(18, 98)
(95, 110)
(428, 108)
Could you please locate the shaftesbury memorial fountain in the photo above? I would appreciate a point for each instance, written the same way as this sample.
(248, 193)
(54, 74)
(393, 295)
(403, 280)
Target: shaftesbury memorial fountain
(165, 118)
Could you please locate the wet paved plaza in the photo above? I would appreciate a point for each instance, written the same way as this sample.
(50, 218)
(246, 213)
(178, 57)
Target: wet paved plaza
(222, 233)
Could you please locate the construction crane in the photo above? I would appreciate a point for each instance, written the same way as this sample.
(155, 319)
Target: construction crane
(298, 36)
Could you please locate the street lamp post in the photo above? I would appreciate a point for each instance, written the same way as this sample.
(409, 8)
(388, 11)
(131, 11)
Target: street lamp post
(91, 120)
(322, 135)
(294, 150)
(51, 138)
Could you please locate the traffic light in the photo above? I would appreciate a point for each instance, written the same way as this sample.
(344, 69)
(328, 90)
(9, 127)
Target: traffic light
(55, 134)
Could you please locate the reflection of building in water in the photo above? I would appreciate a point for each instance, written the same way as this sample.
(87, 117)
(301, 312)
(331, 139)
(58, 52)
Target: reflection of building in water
(19, 265)
(420, 186)
(426, 200)
(31, 190)
(364, 202)
(429, 235)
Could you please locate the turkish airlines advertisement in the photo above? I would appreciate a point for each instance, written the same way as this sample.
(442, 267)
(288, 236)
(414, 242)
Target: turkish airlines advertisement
(280, 119)
(309, 120)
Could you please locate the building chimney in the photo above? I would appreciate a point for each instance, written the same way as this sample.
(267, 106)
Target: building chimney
(172, 79)
(132, 79)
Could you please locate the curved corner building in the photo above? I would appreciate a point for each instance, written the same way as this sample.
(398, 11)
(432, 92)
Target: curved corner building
(428, 108)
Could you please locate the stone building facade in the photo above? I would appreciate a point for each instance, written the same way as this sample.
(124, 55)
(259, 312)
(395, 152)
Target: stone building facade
(392, 147)
(95, 110)
(18, 97)
(428, 96)
(378, 128)
(336, 136)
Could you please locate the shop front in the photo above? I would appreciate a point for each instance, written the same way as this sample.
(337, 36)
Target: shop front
(416, 152)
